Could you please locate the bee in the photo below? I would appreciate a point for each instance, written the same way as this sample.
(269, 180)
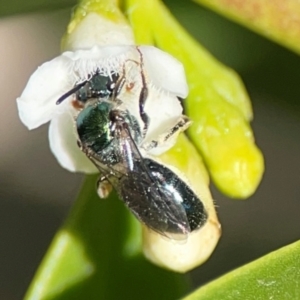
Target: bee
(113, 139)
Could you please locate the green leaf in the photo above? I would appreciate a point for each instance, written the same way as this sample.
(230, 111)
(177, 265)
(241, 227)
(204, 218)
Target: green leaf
(97, 255)
(276, 20)
(274, 276)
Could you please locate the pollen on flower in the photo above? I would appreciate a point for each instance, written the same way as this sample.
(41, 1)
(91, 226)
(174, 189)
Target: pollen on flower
(77, 104)
(130, 86)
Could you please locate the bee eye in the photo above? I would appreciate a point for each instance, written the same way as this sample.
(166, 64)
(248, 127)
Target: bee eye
(82, 94)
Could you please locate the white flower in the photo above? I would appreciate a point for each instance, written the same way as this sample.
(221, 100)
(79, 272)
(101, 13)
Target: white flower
(91, 39)
(164, 76)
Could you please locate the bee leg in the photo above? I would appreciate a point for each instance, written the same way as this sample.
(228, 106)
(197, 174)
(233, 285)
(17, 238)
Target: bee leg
(143, 96)
(182, 124)
(119, 85)
(103, 187)
(79, 144)
(142, 101)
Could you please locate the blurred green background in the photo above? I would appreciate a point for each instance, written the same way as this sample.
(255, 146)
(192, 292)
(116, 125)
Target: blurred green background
(36, 193)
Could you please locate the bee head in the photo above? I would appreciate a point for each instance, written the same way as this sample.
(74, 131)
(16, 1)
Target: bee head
(98, 86)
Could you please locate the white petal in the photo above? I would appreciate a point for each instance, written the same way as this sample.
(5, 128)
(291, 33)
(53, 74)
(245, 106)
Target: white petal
(97, 30)
(105, 59)
(97, 53)
(63, 144)
(37, 104)
(182, 257)
(162, 120)
(165, 71)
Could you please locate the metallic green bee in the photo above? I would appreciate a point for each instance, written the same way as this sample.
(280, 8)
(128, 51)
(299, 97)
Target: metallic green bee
(112, 138)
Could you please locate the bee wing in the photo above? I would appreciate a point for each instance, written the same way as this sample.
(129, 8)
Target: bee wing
(150, 200)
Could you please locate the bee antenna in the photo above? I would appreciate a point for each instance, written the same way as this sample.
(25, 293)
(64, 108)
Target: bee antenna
(70, 92)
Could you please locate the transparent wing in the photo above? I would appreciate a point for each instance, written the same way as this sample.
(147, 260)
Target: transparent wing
(152, 202)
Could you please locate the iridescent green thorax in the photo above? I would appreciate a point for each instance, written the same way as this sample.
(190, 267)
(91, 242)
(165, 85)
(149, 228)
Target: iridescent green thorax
(97, 132)
(93, 130)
